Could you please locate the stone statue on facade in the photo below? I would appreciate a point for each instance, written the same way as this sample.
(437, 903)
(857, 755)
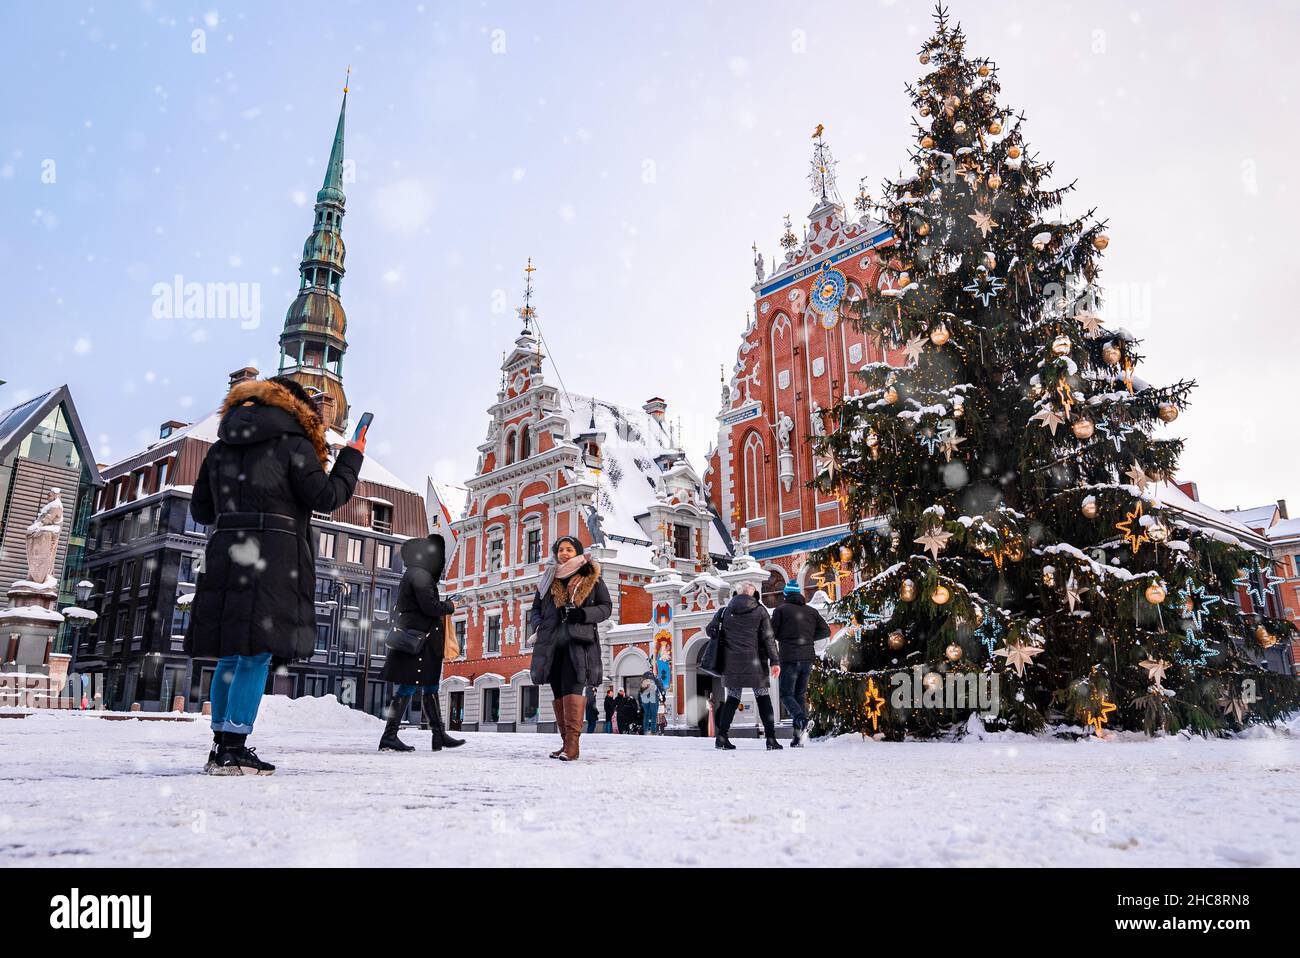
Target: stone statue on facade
(43, 540)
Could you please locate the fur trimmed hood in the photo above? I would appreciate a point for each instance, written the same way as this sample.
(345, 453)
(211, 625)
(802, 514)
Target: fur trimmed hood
(580, 585)
(265, 393)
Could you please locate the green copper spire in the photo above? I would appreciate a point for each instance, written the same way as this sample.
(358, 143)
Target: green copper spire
(332, 188)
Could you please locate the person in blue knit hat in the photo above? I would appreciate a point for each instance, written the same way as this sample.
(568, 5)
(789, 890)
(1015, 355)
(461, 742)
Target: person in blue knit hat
(798, 626)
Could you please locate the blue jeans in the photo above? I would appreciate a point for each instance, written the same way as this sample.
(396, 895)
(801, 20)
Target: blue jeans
(794, 690)
(649, 718)
(406, 690)
(237, 689)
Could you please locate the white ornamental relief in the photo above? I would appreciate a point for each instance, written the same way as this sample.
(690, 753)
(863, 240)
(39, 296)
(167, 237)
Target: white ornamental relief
(783, 379)
(819, 366)
(765, 308)
(855, 353)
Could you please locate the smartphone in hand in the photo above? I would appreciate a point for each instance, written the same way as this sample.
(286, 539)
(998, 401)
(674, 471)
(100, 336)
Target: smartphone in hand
(362, 425)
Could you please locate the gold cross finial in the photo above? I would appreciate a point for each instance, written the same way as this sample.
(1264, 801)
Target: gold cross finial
(818, 132)
(347, 78)
(530, 268)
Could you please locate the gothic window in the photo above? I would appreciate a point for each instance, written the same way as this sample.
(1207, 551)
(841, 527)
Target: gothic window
(525, 442)
(510, 447)
(754, 499)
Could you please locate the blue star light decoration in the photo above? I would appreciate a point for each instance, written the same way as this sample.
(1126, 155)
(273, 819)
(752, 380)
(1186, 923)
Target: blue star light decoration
(930, 439)
(1115, 433)
(985, 288)
(1195, 602)
(989, 632)
(1249, 580)
(1202, 651)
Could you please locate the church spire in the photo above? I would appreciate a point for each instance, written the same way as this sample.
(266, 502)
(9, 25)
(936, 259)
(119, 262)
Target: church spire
(314, 342)
(822, 174)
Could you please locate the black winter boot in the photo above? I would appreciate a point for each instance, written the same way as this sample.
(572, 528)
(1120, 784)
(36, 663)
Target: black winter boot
(769, 722)
(211, 765)
(233, 758)
(396, 712)
(433, 708)
(722, 724)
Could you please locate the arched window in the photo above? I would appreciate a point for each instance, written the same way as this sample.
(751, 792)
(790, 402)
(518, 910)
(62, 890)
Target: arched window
(754, 499)
(510, 447)
(525, 442)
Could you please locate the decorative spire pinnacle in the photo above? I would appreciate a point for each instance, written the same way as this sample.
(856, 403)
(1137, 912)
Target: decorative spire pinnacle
(788, 239)
(526, 312)
(822, 173)
(332, 188)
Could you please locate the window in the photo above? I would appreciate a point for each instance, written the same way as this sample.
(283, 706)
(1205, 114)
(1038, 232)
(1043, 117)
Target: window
(381, 517)
(355, 548)
(322, 636)
(323, 587)
(496, 554)
(379, 642)
(528, 704)
(383, 598)
(192, 527)
(180, 620)
(141, 617)
(491, 705)
(459, 627)
(325, 546)
(510, 447)
(525, 443)
(383, 555)
(681, 541)
(128, 576)
(534, 545)
(755, 506)
(492, 644)
(139, 483)
(189, 569)
(314, 686)
(163, 469)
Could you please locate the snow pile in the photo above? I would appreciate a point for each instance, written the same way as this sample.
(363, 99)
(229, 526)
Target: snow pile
(279, 713)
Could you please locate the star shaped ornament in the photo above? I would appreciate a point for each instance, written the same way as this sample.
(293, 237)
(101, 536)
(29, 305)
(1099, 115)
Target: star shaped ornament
(984, 222)
(913, 349)
(1073, 592)
(1101, 715)
(1140, 477)
(1134, 534)
(1155, 670)
(950, 444)
(1091, 324)
(934, 541)
(1049, 417)
(1019, 655)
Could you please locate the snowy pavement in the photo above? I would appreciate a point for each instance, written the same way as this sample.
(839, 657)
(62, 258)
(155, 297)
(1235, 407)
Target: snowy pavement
(81, 791)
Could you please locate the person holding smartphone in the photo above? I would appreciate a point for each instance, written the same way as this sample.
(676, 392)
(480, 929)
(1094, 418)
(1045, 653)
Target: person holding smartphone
(254, 603)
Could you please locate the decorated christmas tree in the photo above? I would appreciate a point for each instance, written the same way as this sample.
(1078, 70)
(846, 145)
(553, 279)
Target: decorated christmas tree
(1007, 531)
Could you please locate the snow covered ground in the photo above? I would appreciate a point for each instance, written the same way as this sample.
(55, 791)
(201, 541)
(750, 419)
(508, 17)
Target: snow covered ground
(86, 792)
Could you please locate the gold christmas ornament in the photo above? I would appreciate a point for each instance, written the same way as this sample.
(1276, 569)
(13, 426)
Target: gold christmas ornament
(925, 58)
(1061, 345)
(1089, 508)
(873, 439)
(1110, 354)
(927, 142)
(1265, 638)
(959, 126)
(983, 70)
(904, 279)
(925, 109)
(896, 640)
(923, 229)
(1158, 531)
(1155, 593)
(1049, 576)
(1013, 152)
(953, 652)
(1167, 411)
(846, 554)
(940, 595)
(995, 128)
(1100, 241)
(979, 615)
(932, 681)
(995, 181)
(891, 395)
(907, 591)
(940, 335)
(1082, 428)
(954, 101)
(990, 261)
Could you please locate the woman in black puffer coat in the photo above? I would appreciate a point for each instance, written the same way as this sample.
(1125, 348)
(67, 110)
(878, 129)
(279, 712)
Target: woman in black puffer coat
(747, 654)
(254, 602)
(419, 611)
(570, 600)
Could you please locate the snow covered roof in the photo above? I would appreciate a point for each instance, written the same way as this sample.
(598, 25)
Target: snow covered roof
(1286, 529)
(1258, 517)
(1168, 494)
(453, 498)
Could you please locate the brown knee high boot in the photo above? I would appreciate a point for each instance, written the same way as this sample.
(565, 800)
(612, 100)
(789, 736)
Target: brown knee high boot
(561, 726)
(574, 706)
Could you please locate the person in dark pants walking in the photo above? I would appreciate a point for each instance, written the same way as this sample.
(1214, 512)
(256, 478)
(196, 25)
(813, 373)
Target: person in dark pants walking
(798, 626)
(419, 610)
(571, 600)
(747, 653)
(609, 711)
(259, 484)
(593, 713)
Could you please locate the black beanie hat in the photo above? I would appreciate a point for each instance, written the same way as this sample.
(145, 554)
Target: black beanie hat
(572, 540)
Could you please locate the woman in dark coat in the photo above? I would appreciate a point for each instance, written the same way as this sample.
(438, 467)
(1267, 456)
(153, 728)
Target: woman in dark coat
(571, 599)
(747, 654)
(261, 481)
(420, 611)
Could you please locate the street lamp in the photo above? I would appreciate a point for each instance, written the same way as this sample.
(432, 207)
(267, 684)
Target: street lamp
(339, 593)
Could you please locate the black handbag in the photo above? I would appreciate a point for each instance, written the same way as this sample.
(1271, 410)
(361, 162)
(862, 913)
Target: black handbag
(710, 655)
(402, 640)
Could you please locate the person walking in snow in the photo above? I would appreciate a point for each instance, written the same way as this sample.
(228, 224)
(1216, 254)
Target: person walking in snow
(609, 711)
(649, 696)
(593, 713)
(570, 601)
(798, 626)
(747, 653)
(254, 602)
(420, 611)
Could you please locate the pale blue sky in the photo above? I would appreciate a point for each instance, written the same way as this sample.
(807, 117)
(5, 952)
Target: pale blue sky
(634, 151)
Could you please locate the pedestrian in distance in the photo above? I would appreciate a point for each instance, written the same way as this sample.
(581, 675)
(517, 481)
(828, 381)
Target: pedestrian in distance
(798, 627)
(609, 711)
(649, 700)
